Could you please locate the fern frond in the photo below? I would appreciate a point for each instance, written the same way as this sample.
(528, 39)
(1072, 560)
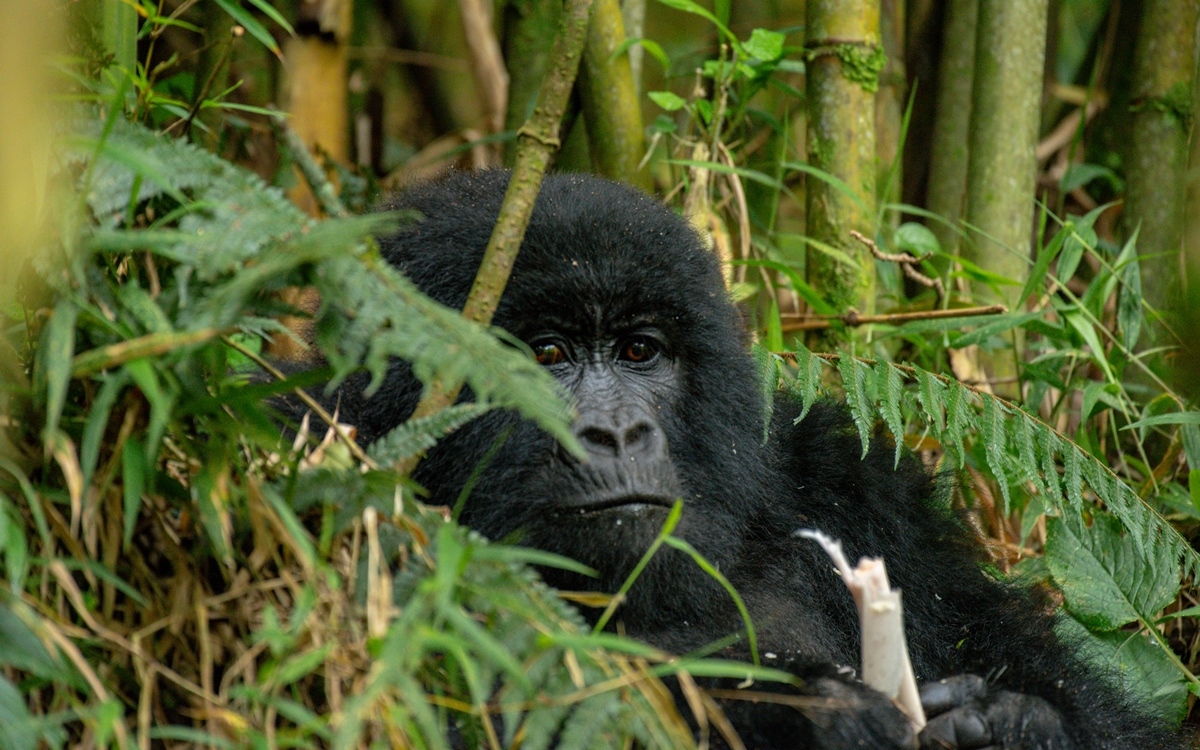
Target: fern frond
(1016, 444)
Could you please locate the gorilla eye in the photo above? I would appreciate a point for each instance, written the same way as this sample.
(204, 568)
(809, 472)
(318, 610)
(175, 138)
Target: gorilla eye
(639, 350)
(548, 353)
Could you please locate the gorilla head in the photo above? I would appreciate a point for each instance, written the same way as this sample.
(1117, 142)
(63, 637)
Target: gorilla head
(618, 299)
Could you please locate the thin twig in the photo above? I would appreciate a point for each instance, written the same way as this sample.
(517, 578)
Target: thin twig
(537, 141)
(355, 449)
(852, 318)
(314, 175)
(907, 262)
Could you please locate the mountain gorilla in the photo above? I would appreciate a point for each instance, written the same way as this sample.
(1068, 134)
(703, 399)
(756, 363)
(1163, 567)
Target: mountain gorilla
(621, 302)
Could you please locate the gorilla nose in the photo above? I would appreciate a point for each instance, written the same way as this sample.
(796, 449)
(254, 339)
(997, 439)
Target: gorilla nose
(632, 438)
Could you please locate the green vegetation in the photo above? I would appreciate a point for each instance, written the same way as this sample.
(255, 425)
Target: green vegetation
(182, 569)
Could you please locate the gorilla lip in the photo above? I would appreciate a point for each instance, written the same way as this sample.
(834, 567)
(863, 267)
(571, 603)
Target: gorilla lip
(634, 503)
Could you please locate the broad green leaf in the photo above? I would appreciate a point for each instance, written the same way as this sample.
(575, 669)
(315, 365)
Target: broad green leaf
(1105, 582)
(1178, 417)
(834, 182)
(687, 6)
(21, 649)
(667, 100)
(18, 728)
(1088, 332)
(764, 45)
(916, 239)
(799, 285)
(992, 325)
(1143, 669)
(654, 48)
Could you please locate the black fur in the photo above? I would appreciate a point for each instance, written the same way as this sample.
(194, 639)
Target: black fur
(598, 257)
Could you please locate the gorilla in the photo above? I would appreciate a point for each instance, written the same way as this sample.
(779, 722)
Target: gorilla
(618, 298)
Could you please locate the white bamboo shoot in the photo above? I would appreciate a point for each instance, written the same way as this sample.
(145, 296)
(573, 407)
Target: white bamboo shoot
(885, 663)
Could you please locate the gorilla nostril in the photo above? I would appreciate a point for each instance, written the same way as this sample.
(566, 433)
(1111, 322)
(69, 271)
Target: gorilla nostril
(597, 438)
(639, 437)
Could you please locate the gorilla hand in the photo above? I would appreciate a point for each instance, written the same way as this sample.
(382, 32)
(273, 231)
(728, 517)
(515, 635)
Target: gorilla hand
(964, 714)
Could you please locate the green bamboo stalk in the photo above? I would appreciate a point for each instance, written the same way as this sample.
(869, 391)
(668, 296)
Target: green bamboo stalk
(889, 105)
(1189, 374)
(609, 100)
(1010, 50)
(1156, 170)
(1001, 171)
(845, 59)
(947, 194)
(529, 27)
(633, 14)
(537, 141)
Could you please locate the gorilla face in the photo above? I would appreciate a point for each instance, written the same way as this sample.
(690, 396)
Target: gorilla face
(618, 299)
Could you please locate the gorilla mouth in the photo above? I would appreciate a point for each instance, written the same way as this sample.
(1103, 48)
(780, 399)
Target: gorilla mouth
(633, 503)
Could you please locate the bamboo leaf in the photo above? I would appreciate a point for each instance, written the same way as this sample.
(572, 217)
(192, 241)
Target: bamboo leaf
(53, 368)
(133, 478)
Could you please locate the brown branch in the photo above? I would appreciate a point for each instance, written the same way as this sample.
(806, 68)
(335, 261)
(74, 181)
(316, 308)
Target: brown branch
(852, 318)
(907, 262)
(537, 141)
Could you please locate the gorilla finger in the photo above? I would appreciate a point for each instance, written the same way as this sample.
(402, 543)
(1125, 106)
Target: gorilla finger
(959, 729)
(943, 695)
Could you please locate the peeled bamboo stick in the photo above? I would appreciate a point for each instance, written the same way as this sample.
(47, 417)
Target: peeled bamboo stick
(885, 663)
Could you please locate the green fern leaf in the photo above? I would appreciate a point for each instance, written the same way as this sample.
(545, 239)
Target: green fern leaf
(1024, 434)
(889, 386)
(808, 378)
(994, 444)
(419, 435)
(1048, 446)
(959, 420)
(1073, 476)
(854, 381)
(931, 394)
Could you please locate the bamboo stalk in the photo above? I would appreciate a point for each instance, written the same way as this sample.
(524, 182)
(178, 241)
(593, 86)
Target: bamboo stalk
(1164, 66)
(609, 100)
(1006, 99)
(529, 28)
(1010, 49)
(845, 59)
(947, 194)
